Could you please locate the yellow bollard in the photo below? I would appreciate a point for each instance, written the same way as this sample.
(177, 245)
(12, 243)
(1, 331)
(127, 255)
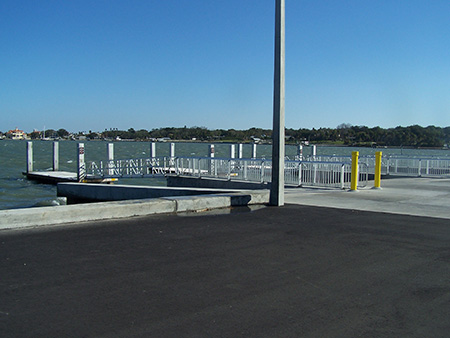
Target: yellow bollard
(354, 182)
(377, 176)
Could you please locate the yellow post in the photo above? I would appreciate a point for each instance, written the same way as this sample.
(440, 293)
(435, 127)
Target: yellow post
(377, 177)
(354, 183)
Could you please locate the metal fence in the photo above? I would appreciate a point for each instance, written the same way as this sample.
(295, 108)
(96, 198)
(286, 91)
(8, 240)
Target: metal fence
(141, 167)
(400, 165)
(297, 173)
(417, 166)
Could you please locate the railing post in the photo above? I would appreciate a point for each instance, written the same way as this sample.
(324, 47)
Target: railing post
(342, 176)
(420, 167)
(377, 173)
(354, 182)
(300, 165)
(55, 156)
(314, 172)
(229, 170)
(81, 174)
(245, 169)
(262, 171)
(29, 157)
(428, 167)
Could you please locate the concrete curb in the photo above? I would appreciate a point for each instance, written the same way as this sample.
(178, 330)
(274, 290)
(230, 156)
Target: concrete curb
(59, 215)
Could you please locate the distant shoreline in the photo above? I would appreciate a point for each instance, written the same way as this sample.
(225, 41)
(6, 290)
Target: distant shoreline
(319, 144)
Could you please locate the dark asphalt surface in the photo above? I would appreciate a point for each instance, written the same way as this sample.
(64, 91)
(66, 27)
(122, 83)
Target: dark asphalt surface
(294, 271)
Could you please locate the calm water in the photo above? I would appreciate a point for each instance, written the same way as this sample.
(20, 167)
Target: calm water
(17, 192)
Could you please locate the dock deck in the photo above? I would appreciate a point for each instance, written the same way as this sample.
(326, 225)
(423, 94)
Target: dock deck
(54, 177)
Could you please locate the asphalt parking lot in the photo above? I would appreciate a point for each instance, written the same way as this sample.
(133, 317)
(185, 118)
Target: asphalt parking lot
(293, 271)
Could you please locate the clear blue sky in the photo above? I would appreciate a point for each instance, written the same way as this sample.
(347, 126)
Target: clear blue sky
(91, 65)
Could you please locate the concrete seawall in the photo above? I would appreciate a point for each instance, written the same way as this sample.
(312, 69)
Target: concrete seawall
(89, 192)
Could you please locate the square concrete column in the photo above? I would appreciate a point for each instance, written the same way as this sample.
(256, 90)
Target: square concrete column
(277, 186)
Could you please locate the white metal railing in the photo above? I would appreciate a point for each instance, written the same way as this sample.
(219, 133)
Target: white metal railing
(417, 166)
(141, 167)
(326, 171)
(323, 174)
(297, 173)
(400, 165)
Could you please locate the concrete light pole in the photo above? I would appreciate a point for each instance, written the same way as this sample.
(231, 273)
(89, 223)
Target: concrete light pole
(277, 187)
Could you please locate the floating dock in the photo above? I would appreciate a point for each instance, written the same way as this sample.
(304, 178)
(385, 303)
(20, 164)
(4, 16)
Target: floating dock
(54, 177)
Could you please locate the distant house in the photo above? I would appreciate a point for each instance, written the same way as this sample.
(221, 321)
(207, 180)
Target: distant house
(163, 139)
(16, 134)
(256, 139)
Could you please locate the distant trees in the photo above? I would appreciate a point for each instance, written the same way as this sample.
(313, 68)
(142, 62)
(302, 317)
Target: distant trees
(34, 135)
(412, 136)
(62, 133)
(343, 134)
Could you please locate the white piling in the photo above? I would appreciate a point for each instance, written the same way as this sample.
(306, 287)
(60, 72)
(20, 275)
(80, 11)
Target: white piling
(55, 156)
(240, 150)
(212, 167)
(232, 151)
(110, 151)
(313, 152)
(81, 173)
(29, 157)
(110, 155)
(172, 150)
(300, 152)
(152, 150)
(254, 150)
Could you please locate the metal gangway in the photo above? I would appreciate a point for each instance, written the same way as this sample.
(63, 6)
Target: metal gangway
(331, 174)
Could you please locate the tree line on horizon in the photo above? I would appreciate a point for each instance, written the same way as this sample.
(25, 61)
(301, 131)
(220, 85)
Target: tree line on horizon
(344, 134)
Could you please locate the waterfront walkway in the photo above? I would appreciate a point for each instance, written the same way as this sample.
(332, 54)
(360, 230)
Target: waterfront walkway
(417, 196)
(293, 271)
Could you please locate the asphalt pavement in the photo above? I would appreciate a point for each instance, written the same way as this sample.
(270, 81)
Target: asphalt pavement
(292, 271)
